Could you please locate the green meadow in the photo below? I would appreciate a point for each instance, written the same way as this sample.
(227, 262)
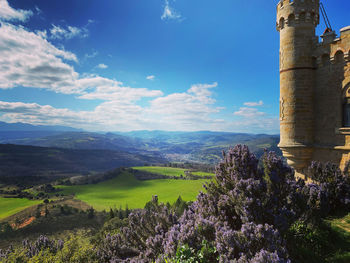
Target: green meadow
(203, 174)
(169, 171)
(126, 190)
(11, 206)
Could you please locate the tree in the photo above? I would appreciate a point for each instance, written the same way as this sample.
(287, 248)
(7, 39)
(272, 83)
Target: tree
(111, 213)
(90, 213)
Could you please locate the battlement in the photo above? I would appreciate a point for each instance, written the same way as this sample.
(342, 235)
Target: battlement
(314, 87)
(345, 32)
(333, 50)
(300, 3)
(297, 12)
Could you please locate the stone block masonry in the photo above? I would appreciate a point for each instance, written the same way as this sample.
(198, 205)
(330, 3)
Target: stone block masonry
(314, 88)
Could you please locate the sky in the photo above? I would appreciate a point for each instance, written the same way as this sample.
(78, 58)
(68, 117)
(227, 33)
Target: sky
(123, 65)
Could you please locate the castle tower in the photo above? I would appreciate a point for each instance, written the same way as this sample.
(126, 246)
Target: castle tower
(296, 22)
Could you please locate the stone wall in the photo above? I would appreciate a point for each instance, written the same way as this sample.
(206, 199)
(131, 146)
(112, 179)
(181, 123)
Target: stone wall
(314, 82)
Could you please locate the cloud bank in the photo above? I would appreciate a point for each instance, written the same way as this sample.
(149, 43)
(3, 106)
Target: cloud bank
(7, 13)
(28, 59)
(169, 13)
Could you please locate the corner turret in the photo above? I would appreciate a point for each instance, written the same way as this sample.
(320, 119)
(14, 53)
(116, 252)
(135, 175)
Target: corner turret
(296, 22)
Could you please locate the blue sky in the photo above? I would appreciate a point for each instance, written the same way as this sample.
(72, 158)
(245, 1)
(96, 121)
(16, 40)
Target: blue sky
(144, 65)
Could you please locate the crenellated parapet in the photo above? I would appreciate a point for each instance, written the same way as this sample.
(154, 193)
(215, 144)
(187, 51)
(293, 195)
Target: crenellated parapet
(333, 50)
(314, 88)
(297, 12)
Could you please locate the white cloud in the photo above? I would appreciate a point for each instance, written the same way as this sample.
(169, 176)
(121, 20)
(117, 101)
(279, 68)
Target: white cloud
(58, 32)
(111, 90)
(38, 10)
(254, 104)
(169, 13)
(190, 110)
(92, 55)
(248, 112)
(102, 66)
(106, 116)
(42, 34)
(27, 59)
(119, 111)
(177, 112)
(151, 77)
(262, 124)
(7, 13)
(253, 121)
(36, 114)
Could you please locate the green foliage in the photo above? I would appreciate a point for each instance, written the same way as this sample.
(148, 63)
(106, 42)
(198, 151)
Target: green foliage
(111, 213)
(186, 254)
(5, 228)
(308, 243)
(76, 249)
(91, 213)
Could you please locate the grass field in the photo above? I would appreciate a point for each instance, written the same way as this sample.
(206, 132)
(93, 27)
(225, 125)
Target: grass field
(203, 174)
(125, 189)
(169, 171)
(10, 206)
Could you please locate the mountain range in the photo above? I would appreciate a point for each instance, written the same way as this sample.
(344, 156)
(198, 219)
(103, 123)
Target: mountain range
(202, 146)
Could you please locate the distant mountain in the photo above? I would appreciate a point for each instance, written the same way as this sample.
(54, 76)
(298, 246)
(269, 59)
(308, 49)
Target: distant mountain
(19, 160)
(87, 141)
(4, 126)
(14, 131)
(203, 146)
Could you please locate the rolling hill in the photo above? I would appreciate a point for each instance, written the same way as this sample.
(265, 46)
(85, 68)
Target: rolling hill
(202, 146)
(19, 160)
(205, 147)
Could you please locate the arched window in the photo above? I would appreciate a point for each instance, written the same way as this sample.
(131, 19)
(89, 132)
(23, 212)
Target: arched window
(291, 20)
(281, 24)
(346, 107)
(339, 56)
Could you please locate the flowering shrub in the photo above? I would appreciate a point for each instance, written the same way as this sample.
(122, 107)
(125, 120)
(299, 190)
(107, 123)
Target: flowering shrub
(245, 215)
(334, 183)
(42, 243)
(142, 239)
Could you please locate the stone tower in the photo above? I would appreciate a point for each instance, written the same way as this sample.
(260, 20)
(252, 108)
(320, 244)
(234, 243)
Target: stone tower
(296, 22)
(314, 88)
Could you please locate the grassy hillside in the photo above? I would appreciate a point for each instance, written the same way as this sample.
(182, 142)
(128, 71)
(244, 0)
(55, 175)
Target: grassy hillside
(11, 206)
(168, 171)
(203, 174)
(125, 189)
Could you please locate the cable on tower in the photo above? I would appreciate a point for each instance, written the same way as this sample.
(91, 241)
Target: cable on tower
(325, 17)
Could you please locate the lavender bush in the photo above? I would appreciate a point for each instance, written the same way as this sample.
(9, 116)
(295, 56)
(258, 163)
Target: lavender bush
(42, 243)
(334, 183)
(245, 215)
(233, 221)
